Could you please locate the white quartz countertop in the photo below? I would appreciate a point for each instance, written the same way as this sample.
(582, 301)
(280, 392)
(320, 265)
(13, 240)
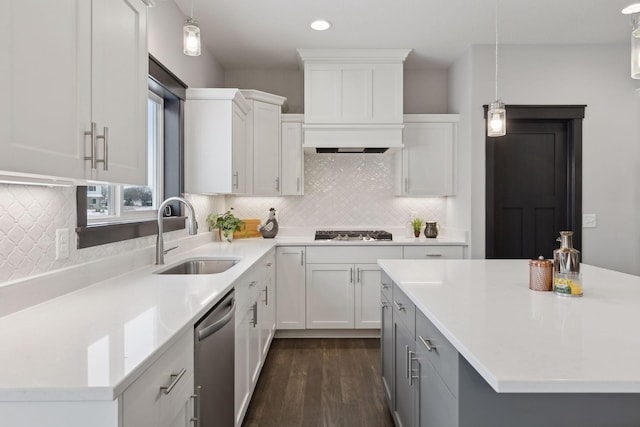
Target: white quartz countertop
(92, 343)
(521, 340)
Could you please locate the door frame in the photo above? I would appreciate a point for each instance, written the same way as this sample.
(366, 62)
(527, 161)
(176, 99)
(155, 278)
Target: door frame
(571, 116)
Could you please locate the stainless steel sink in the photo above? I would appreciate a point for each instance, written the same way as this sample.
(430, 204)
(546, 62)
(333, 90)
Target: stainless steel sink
(200, 266)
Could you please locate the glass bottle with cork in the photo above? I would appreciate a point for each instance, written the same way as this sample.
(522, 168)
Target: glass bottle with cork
(566, 267)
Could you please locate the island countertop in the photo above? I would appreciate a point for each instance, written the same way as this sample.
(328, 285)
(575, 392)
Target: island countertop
(521, 340)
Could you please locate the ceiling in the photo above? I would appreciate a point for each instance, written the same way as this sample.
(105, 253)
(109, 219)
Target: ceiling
(265, 33)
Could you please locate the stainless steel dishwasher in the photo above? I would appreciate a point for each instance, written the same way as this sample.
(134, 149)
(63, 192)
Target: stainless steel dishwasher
(214, 365)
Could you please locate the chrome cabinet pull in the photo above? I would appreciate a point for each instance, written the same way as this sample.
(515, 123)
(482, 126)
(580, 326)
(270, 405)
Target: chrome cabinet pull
(383, 286)
(174, 380)
(268, 264)
(195, 419)
(406, 185)
(358, 270)
(298, 185)
(406, 360)
(411, 370)
(105, 148)
(301, 257)
(278, 184)
(254, 308)
(399, 306)
(384, 304)
(236, 179)
(434, 255)
(252, 283)
(266, 295)
(427, 343)
(350, 274)
(92, 133)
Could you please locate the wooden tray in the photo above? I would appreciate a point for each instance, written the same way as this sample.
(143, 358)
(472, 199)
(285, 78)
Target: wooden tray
(251, 227)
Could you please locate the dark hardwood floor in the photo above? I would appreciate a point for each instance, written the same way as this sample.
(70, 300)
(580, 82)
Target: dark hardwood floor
(320, 382)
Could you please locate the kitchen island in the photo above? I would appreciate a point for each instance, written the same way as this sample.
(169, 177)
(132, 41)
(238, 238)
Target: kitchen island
(502, 354)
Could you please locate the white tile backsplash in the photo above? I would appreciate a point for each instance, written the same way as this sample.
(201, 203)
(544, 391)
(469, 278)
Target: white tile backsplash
(30, 215)
(343, 190)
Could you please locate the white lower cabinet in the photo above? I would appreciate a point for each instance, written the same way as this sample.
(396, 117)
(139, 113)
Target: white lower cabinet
(161, 396)
(290, 287)
(267, 303)
(343, 286)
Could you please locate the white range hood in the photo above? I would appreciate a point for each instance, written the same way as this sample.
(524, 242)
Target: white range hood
(353, 99)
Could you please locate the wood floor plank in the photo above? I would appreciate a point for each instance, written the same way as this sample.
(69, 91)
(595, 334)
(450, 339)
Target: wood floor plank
(320, 382)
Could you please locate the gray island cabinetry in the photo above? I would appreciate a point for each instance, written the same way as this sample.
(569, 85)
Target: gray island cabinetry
(472, 346)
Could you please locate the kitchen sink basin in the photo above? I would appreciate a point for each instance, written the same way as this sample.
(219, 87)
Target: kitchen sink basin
(200, 266)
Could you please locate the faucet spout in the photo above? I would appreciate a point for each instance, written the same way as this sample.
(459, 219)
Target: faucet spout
(192, 225)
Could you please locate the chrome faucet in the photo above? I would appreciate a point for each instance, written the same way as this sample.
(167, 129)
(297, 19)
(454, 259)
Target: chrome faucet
(192, 226)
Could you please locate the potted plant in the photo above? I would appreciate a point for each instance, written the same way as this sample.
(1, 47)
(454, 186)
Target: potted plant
(417, 224)
(226, 223)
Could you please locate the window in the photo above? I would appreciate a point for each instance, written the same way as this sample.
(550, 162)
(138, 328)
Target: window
(112, 203)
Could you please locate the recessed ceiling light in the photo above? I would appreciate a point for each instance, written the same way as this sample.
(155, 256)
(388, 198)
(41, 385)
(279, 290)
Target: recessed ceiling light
(632, 8)
(320, 25)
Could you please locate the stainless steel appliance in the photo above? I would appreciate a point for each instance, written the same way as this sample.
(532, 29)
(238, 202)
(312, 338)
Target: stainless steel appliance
(353, 235)
(214, 365)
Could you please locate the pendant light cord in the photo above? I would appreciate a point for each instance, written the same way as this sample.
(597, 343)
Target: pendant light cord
(191, 9)
(496, 50)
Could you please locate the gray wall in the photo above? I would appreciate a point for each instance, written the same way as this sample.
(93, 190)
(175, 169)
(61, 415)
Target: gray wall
(595, 75)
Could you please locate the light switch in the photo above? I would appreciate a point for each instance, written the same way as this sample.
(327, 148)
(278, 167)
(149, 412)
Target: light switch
(62, 243)
(589, 221)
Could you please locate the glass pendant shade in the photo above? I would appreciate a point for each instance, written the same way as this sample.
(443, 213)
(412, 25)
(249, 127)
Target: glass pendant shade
(497, 119)
(635, 47)
(191, 37)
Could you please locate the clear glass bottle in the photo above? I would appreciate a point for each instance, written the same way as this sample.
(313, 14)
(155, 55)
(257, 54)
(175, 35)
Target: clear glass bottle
(566, 267)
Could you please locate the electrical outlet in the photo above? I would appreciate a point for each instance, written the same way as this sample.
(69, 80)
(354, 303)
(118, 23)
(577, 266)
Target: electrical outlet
(62, 243)
(589, 221)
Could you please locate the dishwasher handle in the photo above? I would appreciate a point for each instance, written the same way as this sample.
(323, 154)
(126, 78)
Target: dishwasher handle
(215, 327)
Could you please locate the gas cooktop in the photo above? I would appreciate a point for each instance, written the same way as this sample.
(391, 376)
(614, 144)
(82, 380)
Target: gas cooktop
(353, 235)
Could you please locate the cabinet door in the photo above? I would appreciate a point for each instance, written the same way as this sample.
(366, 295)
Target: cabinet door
(266, 149)
(367, 296)
(267, 304)
(330, 296)
(427, 159)
(292, 160)
(45, 63)
(322, 88)
(239, 150)
(387, 350)
(119, 72)
(433, 252)
(436, 405)
(290, 288)
(404, 387)
(242, 376)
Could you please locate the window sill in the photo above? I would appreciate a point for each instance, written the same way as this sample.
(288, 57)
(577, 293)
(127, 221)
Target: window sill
(100, 234)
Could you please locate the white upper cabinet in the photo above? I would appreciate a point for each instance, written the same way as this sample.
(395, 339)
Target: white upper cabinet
(353, 86)
(79, 62)
(292, 167)
(426, 164)
(263, 143)
(215, 141)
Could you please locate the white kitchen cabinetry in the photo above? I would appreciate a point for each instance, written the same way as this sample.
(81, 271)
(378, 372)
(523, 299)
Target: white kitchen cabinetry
(100, 51)
(292, 165)
(351, 86)
(433, 252)
(147, 403)
(215, 141)
(343, 286)
(290, 287)
(263, 143)
(267, 303)
(426, 164)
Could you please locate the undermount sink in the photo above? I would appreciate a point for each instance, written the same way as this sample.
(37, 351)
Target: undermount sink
(200, 266)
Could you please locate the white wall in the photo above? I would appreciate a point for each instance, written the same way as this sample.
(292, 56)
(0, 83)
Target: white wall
(165, 44)
(595, 75)
(425, 91)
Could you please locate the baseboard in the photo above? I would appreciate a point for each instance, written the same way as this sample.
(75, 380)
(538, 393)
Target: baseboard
(327, 333)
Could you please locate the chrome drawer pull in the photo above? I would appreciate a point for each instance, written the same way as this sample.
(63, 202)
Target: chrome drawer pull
(434, 255)
(399, 306)
(411, 370)
(427, 343)
(383, 286)
(174, 380)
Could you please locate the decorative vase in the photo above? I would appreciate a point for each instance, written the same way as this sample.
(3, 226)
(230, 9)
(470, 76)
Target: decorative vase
(431, 230)
(416, 233)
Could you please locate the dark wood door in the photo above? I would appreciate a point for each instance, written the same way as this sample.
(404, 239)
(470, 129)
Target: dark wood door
(532, 189)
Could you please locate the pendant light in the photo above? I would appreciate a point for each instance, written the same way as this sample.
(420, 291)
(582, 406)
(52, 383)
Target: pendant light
(497, 117)
(191, 36)
(634, 12)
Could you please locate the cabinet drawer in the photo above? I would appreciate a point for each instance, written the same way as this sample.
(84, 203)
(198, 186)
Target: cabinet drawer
(386, 286)
(145, 404)
(433, 252)
(443, 355)
(351, 254)
(404, 311)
